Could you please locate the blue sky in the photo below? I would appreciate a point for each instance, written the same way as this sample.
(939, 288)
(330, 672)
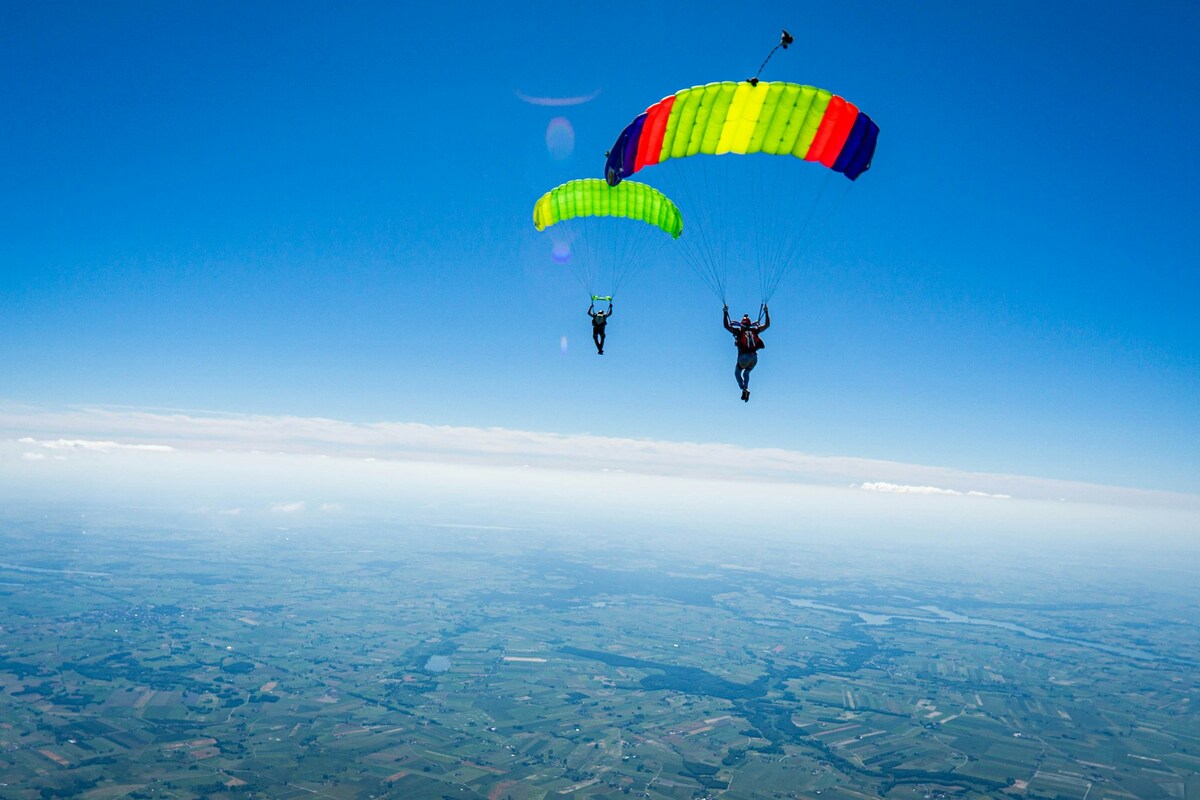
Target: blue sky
(323, 210)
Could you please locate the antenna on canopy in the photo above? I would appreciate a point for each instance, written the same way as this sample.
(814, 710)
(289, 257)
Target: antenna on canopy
(784, 40)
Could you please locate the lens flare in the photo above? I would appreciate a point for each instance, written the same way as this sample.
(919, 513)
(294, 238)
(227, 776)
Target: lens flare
(563, 344)
(560, 138)
(553, 102)
(561, 253)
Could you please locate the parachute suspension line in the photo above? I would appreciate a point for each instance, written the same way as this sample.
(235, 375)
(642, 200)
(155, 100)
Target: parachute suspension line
(713, 187)
(758, 185)
(773, 224)
(784, 40)
(790, 187)
(629, 258)
(637, 245)
(779, 214)
(587, 255)
(776, 192)
(830, 212)
(697, 244)
(709, 255)
(583, 281)
(608, 252)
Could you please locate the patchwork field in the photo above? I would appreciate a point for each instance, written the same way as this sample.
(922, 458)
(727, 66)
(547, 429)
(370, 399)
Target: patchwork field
(187, 662)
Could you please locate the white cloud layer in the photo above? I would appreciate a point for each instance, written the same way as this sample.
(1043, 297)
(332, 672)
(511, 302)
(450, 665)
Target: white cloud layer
(140, 434)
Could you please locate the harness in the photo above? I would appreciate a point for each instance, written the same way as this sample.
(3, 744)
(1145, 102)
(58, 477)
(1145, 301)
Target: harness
(748, 340)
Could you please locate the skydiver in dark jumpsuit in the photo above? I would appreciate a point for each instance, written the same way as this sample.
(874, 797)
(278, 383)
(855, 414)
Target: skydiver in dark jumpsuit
(599, 320)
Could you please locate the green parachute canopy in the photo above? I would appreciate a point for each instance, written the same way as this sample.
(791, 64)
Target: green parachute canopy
(593, 197)
(606, 235)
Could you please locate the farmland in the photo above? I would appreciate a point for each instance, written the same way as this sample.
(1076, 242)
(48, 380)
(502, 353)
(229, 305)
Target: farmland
(183, 661)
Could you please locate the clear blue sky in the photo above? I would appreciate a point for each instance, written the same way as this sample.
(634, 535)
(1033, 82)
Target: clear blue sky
(323, 209)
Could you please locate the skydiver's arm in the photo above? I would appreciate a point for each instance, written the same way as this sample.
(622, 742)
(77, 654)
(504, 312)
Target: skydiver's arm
(767, 322)
(728, 326)
(610, 309)
(591, 311)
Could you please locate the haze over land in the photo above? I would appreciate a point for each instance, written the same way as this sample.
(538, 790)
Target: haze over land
(584, 648)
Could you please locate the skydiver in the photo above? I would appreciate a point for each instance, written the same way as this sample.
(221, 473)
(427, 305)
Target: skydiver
(746, 337)
(599, 320)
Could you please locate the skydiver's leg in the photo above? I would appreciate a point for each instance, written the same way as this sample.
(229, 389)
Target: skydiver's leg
(745, 363)
(751, 362)
(742, 375)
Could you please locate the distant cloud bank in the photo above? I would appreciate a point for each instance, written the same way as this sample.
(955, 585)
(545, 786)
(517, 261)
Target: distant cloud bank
(96, 446)
(34, 432)
(897, 488)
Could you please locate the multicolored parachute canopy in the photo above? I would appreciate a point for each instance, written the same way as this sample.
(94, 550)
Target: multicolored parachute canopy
(592, 197)
(742, 117)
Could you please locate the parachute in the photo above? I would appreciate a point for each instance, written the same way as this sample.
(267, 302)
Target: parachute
(757, 209)
(591, 197)
(612, 249)
(731, 117)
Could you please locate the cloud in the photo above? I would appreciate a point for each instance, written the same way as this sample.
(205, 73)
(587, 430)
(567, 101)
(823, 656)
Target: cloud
(33, 456)
(109, 430)
(94, 446)
(897, 488)
(293, 507)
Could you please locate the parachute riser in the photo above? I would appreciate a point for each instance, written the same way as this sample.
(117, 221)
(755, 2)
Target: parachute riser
(762, 311)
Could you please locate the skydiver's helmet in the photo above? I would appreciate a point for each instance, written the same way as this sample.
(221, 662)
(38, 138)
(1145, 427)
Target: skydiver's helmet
(746, 321)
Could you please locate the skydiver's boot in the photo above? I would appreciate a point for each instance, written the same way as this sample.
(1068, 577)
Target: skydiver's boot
(745, 395)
